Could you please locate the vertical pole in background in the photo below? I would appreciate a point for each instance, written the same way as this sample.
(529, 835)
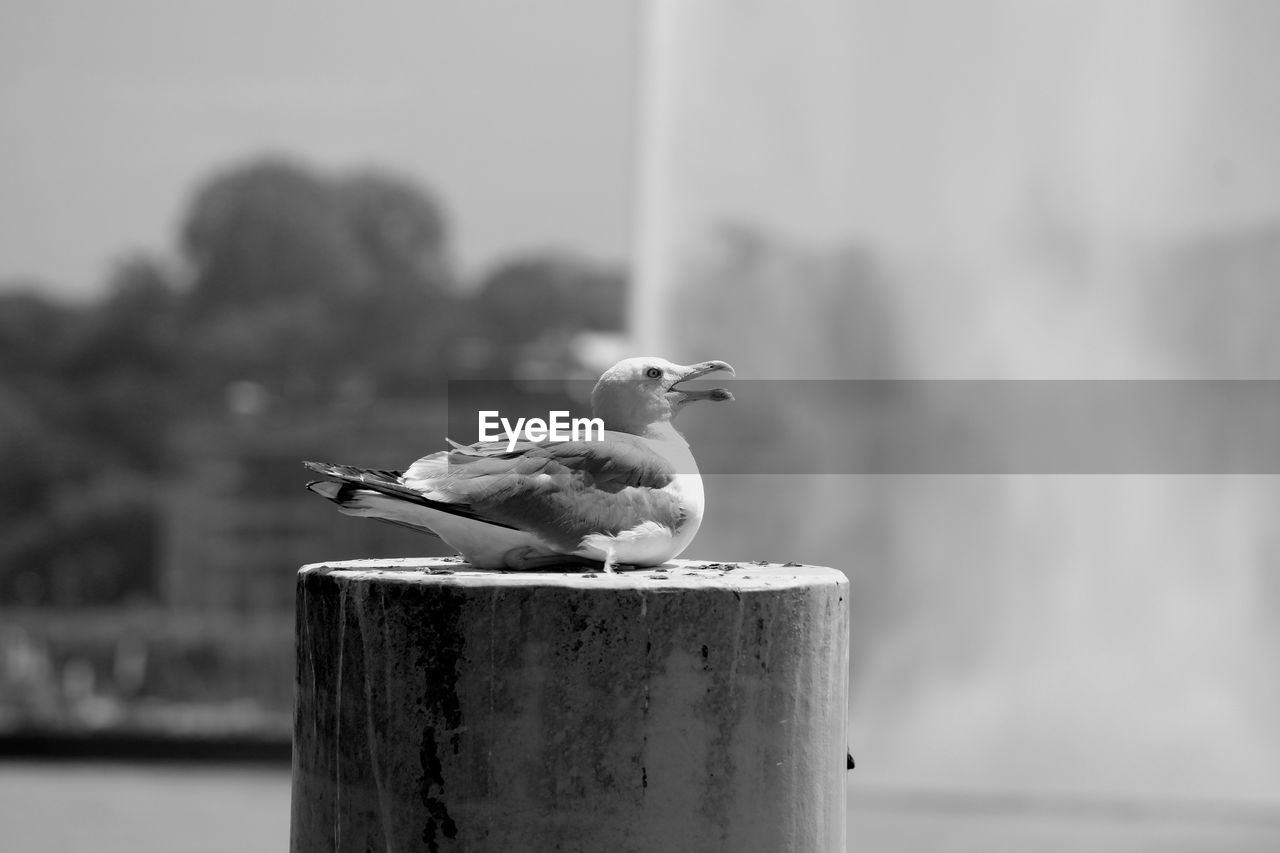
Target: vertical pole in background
(693, 707)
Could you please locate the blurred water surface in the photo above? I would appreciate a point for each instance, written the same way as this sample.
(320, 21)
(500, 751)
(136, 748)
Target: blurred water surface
(143, 808)
(127, 808)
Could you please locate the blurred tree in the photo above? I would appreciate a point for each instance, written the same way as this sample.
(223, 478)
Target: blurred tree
(122, 363)
(603, 297)
(30, 476)
(401, 331)
(536, 299)
(94, 544)
(530, 296)
(67, 430)
(308, 285)
(294, 288)
(400, 231)
(269, 252)
(267, 229)
(38, 441)
(136, 322)
(34, 330)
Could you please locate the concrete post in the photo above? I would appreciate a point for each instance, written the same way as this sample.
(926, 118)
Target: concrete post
(696, 707)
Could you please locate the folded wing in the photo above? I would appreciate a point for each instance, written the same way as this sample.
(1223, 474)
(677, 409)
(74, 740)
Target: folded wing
(561, 490)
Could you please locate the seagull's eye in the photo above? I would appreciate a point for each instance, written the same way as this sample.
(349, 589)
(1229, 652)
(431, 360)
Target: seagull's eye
(653, 373)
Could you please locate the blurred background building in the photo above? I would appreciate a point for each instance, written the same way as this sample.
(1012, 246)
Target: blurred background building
(235, 237)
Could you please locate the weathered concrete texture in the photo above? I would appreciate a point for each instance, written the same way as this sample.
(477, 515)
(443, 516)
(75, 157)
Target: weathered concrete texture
(698, 707)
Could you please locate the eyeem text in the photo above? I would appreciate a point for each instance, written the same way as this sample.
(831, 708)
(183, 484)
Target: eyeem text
(557, 427)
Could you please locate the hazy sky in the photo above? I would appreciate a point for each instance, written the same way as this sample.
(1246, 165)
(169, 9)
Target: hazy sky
(917, 122)
(520, 115)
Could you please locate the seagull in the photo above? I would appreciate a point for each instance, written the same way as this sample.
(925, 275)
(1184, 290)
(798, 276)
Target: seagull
(633, 498)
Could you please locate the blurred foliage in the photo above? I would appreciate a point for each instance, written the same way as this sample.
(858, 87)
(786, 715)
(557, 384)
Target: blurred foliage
(306, 285)
(531, 306)
(290, 291)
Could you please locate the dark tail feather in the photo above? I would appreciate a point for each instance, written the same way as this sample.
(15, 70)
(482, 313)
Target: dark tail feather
(343, 493)
(369, 478)
(339, 493)
(342, 481)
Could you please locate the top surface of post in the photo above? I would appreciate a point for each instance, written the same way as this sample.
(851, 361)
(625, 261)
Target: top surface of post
(672, 575)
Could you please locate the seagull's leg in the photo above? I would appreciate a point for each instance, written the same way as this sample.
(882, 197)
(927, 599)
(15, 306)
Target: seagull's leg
(610, 561)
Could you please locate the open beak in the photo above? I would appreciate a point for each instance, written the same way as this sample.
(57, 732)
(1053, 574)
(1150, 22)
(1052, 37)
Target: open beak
(695, 371)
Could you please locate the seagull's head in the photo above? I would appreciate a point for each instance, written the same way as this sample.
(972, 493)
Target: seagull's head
(638, 393)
